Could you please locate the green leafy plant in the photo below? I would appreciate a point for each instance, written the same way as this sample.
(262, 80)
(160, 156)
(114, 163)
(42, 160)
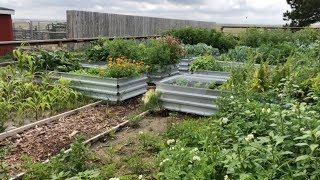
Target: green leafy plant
(206, 62)
(163, 52)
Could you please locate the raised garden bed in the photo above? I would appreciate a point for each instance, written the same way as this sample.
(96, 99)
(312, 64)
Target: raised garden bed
(110, 89)
(185, 64)
(191, 99)
(168, 71)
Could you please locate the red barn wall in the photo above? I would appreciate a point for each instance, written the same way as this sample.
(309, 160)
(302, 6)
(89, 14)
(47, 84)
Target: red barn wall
(6, 33)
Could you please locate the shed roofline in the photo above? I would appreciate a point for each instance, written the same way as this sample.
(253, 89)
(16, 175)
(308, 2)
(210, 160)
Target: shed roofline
(6, 11)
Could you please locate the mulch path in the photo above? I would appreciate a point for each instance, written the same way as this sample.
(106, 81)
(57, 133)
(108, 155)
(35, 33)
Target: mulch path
(44, 141)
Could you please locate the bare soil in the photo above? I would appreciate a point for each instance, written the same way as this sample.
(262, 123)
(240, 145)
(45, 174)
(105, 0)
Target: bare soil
(42, 142)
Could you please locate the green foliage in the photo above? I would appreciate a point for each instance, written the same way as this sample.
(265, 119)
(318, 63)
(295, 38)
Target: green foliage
(105, 48)
(206, 62)
(254, 37)
(151, 100)
(117, 68)
(59, 60)
(22, 97)
(303, 13)
(99, 50)
(163, 52)
(211, 37)
(74, 163)
(199, 50)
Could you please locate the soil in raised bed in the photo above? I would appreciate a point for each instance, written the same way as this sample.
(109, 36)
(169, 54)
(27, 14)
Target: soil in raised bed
(44, 141)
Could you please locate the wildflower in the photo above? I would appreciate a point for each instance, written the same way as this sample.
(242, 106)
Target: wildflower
(196, 158)
(194, 150)
(182, 149)
(170, 141)
(165, 160)
(247, 111)
(249, 137)
(231, 97)
(248, 101)
(140, 176)
(263, 110)
(114, 179)
(268, 110)
(140, 132)
(226, 177)
(225, 120)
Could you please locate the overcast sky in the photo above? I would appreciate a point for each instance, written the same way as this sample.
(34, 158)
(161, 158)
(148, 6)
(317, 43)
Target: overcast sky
(220, 11)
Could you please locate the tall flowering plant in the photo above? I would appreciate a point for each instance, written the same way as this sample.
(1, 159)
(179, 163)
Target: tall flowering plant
(163, 52)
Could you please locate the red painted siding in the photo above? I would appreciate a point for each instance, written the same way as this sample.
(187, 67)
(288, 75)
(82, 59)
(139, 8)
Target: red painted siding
(6, 32)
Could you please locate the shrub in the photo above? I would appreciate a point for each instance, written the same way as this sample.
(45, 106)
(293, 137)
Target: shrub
(254, 37)
(163, 52)
(105, 48)
(211, 37)
(199, 50)
(206, 62)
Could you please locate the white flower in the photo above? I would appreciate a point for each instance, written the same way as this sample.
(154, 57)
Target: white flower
(248, 100)
(140, 132)
(225, 120)
(231, 97)
(268, 110)
(196, 158)
(226, 177)
(182, 149)
(263, 110)
(114, 179)
(165, 160)
(247, 112)
(140, 176)
(172, 148)
(194, 150)
(249, 137)
(302, 129)
(170, 141)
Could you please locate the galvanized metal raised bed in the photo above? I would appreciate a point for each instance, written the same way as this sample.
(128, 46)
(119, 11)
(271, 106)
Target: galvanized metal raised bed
(185, 64)
(168, 71)
(200, 101)
(110, 89)
(215, 74)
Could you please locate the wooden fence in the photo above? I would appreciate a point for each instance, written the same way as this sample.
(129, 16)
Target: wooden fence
(82, 24)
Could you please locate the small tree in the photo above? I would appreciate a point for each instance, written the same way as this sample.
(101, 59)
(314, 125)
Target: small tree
(304, 12)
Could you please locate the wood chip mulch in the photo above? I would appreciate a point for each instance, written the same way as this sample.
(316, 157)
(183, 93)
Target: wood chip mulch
(44, 141)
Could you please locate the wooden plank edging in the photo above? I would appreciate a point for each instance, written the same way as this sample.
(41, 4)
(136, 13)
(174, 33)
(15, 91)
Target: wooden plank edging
(44, 121)
(90, 141)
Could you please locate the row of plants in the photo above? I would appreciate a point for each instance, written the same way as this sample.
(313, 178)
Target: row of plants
(117, 68)
(24, 96)
(156, 53)
(211, 37)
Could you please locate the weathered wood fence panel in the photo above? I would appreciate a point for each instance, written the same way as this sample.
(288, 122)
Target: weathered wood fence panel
(83, 24)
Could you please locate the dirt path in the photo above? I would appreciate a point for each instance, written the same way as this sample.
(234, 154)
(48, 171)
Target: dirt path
(45, 141)
(125, 145)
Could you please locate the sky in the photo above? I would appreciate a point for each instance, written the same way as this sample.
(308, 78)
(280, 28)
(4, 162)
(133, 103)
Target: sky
(220, 11)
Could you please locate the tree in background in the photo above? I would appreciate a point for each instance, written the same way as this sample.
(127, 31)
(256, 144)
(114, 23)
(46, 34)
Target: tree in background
(303, 13)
